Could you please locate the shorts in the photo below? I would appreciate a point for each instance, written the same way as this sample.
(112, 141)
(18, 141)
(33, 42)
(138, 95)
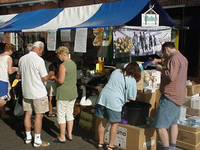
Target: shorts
(105, 113)
(51, 88)
(65, 110)
(167, 113)
(3, 88)
(39, 106)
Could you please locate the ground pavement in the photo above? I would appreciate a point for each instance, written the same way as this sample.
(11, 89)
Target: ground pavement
(12, 136)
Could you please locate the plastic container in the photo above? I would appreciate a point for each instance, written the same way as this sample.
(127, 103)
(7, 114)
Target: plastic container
(135, 112)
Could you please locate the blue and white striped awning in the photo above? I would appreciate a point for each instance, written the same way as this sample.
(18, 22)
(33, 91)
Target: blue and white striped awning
(90, 16)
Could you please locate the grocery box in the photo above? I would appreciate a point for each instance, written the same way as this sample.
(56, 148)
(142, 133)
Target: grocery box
(188, 137)
(190, 111)
(193, 89)
(131, 137)
(195, 102)
(85, 124)
(86, 116)
(87, 119)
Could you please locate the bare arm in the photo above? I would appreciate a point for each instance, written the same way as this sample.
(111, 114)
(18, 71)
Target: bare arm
(11, 69)
(46, 78)
(61, 74)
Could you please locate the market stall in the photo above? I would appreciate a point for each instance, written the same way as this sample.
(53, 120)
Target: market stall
(113, 14)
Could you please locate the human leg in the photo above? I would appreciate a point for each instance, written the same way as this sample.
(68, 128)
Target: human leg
(101, 130)
(27, 126)
(50, 106)
(163, 136)
(113, 132)
(62, 128)
(69, 129)
(167, 116)
(3, 112)
(40, 106)
(173, 132)
(38, 123)
(70, 118)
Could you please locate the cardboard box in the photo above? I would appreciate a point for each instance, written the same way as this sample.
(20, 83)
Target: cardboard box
(131, 137)
(188, 137)
(87, 119)
(85, 124)
(190, 111)
(86, 116)
(194, 89)
(151, 98)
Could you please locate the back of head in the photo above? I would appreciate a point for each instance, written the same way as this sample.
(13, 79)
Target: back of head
(62, 50)
(133, 70)
(38, 44)
(29, 47)
(8, 47)
(168, 44)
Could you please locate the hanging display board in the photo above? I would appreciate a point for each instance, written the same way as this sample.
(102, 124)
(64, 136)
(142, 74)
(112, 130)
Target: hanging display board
(139, 41)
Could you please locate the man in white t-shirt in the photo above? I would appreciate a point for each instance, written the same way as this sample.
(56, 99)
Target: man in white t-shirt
(33, 74)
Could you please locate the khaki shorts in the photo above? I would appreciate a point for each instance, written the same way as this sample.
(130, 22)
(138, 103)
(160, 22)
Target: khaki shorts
(39, 106)
(65, 110)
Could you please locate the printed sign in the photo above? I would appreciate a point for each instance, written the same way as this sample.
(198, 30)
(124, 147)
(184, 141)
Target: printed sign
(139, 41)
(80, 40)
(150, 20)
(51, 41)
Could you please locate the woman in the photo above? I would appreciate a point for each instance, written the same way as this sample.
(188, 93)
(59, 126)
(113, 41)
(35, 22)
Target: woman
(120, 87)
(6, 68)
(66, 94)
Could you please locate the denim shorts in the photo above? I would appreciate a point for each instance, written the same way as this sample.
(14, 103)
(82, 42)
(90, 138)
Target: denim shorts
(167, 113)
(105, 113)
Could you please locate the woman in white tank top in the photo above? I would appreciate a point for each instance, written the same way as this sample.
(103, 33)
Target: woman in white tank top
(5, 69)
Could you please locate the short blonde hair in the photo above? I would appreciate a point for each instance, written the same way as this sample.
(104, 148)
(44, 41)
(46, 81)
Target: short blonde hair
(62, 50)
(9, 46)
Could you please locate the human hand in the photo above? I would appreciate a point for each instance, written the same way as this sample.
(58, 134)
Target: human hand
(159, 67)
(155, 61)
(53, 77)
(15, 69)
(52, 73)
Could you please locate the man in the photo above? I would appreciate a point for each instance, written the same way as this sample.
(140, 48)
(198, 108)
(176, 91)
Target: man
(173, 89)
(33, 73)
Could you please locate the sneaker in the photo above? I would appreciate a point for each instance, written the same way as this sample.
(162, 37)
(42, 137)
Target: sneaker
(41, 144)
(27, 141)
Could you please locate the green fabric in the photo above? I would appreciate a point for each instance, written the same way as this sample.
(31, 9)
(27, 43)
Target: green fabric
(68, 90)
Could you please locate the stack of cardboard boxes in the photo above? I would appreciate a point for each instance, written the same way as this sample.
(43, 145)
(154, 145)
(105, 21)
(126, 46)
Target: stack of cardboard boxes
(188, 136)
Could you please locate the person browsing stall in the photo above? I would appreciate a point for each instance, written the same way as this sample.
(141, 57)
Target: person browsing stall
(66, 94)
(173, 89)
(50, 84)
(33, 73)
(6, 68)
(120, 87)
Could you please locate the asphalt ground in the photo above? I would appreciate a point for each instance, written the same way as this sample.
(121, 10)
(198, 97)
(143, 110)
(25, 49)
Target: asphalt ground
(12, 135)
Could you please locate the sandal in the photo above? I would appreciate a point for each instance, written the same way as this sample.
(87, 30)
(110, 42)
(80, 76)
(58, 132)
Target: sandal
(51, 115)
(112, 148)
(100, 146)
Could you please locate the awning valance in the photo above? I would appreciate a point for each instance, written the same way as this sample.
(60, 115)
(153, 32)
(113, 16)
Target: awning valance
(90, 16)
